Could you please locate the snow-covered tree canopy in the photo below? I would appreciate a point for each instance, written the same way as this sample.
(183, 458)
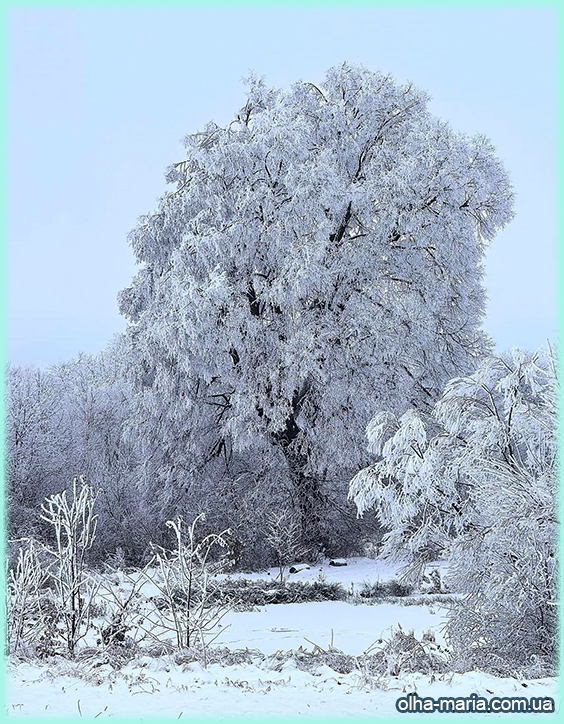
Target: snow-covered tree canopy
(319, 259)
(484, 459)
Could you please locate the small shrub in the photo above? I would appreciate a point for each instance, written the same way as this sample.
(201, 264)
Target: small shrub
(245, 593)
(116, 561)
(183, 577)
(97, 609)
(27, 615)
(325, 591)
(123, 609)
(404, 653)
(372, 590)
(385, 589)
(399, 590)
(284, 534)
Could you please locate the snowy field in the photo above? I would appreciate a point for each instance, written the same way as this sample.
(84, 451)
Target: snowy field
(269, 682)
(153, 688)
(353, 628)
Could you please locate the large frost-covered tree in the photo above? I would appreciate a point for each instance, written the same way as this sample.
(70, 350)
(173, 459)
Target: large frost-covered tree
(318, 259)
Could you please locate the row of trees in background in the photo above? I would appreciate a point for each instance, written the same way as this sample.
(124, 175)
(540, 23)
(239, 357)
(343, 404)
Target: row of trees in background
(72, 418)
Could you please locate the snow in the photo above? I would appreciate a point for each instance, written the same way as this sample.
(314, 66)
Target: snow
(147, 688)
(354, 628)
(161, 690)
(358, 570)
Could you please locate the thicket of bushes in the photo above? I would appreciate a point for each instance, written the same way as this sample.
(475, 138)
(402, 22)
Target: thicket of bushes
(58, 606)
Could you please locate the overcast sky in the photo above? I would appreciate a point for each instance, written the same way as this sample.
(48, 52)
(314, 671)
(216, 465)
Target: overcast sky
(99, 100)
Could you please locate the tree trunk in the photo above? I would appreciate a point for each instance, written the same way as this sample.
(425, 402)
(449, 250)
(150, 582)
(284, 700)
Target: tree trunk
(309, 499)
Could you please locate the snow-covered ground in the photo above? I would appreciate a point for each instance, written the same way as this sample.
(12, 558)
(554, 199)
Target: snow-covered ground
(147, 688)
(352, 629)
(357, 571)
(154, 688)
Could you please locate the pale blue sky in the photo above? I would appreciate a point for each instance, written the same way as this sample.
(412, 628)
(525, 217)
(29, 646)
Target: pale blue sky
(99, 100)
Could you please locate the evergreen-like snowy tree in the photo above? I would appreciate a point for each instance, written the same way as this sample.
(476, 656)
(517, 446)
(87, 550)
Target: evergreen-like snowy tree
(319, 259)
(475, 481)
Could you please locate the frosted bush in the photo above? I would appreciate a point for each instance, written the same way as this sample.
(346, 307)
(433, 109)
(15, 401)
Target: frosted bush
(27, 604)
(74, 523)
(183, 578)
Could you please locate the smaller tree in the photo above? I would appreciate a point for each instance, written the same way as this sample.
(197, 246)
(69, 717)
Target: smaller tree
(75, 525)
(284, 534)
(183, 577)
(476, 481)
